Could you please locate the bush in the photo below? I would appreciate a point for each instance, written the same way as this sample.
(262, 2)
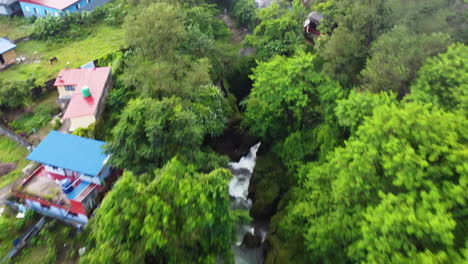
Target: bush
(35, 120)
(15, 94)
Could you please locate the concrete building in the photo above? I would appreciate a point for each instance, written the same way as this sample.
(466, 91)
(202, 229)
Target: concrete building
(87, 91)
(70, 180)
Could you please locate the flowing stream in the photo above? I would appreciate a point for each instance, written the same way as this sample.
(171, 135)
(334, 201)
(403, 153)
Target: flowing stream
(249, 246)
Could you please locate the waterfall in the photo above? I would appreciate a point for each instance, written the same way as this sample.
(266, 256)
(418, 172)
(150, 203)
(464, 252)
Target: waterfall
(239, 191)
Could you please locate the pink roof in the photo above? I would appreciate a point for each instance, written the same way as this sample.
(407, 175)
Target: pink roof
(57, 4)
(94, 78)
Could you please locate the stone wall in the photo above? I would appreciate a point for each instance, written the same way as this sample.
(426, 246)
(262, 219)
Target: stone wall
(5, 131)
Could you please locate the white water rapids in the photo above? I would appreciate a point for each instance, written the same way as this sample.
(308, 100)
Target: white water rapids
(239, 190)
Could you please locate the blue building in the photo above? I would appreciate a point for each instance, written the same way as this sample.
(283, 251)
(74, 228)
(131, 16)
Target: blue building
(42, 8)
(73, 175)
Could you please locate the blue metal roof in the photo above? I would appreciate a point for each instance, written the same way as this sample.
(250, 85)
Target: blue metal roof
(70, 152)
(6, 45)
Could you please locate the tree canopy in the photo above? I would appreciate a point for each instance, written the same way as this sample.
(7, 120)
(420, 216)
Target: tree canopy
(288, 94)
(394, 193)
(179, 216)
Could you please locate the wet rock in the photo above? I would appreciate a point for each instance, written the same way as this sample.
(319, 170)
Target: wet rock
(251, 241)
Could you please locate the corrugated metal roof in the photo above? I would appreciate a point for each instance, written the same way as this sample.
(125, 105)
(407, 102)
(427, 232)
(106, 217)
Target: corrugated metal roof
(57, 4)
(94, 78)
(70, 152)
(6, 45)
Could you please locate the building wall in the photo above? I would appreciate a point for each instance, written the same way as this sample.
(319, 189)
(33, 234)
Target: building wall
(64, 93)
(56, 212)
(51, 169)
(9, 56)
(28, 9)
(82, 121)
(105, 92)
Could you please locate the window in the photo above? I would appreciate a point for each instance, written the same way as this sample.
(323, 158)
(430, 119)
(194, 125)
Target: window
(77, 6)
(46, 12)
(68, 12)
(27, 9)
(69, 88)
(56, 14)
(36, 10)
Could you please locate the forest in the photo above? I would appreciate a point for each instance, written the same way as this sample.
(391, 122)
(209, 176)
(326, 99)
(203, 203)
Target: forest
(363, 131)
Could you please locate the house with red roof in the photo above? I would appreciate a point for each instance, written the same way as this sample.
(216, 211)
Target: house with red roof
(42, 8)
(86, 90)
(71, 180)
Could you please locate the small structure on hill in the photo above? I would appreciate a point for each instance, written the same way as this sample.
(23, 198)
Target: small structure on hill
(9, 7)
(311, 24)
(87, 91)
(73, 175)
(7, 52)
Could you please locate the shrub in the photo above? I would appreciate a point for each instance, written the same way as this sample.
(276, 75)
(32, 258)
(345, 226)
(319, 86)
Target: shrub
(15, 94)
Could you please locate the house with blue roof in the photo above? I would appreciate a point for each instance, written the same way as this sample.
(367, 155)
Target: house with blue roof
(72, 175)
(7, 52)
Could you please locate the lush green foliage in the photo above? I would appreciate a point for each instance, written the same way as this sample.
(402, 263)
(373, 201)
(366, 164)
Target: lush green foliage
(289, 94)
(443, 80)
(352, 111)
(15, 94)
(396, 56)
(394, 193)
(149, 132)
(245, 12)
(279, 32)
(179, 216)
(35, 120)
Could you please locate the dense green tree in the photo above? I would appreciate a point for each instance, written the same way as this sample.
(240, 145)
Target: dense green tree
(443, 80)
(279, 32)
(289, 94)
(245, 11)
(359, 24)
(396, 57)
(15, 94)
(149, 133)
(396, 192)
(156, 31)
(179, 216)
(352, 111)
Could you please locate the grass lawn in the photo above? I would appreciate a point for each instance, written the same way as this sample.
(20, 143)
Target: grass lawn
(103, 40)
(14, 28)
(10, 151)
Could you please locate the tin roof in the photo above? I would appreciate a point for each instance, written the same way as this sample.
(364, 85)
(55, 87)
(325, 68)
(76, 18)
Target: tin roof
(6, 45)
(56, 4)
(70, 152)
(94, 78)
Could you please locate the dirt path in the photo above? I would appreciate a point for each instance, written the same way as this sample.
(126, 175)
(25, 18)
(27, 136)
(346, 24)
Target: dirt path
(238, 34)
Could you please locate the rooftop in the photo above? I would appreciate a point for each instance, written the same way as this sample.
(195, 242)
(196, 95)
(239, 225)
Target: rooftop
(46, 185)
(56, 4)
(70, 152)
(43, 184)
(94, 78)
(6, 45)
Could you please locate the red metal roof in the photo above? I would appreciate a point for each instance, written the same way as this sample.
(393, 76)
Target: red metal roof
(57, 4)
(94, 78)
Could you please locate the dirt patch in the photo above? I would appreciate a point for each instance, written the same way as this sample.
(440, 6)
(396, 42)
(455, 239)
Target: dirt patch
(6, 168)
